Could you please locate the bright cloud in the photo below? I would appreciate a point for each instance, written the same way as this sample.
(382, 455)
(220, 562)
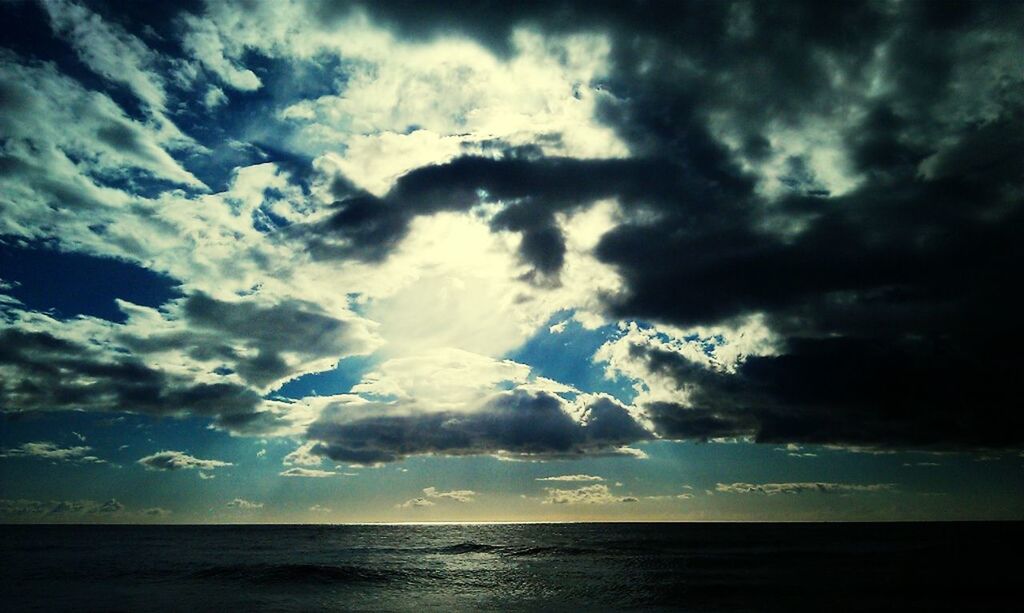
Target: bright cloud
(178, 460)
(588, 494)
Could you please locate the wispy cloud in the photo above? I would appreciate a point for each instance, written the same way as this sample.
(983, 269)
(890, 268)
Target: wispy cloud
(179, 460)
(803, 487)
(50, 451)
(308, 472)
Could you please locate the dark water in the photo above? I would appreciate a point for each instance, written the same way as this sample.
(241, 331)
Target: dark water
(693, 567)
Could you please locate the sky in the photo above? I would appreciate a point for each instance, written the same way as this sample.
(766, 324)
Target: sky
(314, 261)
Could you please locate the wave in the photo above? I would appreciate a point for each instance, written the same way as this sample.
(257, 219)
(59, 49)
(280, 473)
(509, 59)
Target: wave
(470, 547)
(552, 551)
(295, 573)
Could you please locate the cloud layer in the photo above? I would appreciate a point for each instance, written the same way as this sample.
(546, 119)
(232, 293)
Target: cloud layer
(793, 223)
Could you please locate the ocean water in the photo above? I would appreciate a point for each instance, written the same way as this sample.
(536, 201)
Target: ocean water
(689, 567)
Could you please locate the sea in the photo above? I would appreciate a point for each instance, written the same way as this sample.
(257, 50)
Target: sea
(515, 567)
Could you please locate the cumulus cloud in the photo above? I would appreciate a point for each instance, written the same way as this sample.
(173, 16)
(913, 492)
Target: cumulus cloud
(588, 494)
(771, 489)
(179, 460)
(414, 503)
(244, 505)
(204, 42)
(518, 422)
(797, 210)
(51, 451)
(279, 340)
(542, 94)
(155, 365)
(431, 495)
(66, 374)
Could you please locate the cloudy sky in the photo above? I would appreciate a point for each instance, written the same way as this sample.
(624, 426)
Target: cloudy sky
(320, 261)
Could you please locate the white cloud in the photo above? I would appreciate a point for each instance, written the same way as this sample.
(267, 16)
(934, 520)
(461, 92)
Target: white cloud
(320, 509)
(120, 57)
(458, 95)
(454, 283)
(204, 42)
(454, 495)
(442, 379)
(244, 505)
(588, 494)
(639, 454)
(108, 49)
(559, 327)
(214, 97)
(415, 503)
(179, 460)
(431, 494)
(303, 456)
(450, 292)
(719, 348)
(57, 129)
(450, 283)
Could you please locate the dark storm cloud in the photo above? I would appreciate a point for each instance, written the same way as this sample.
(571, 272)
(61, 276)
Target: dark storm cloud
(892, 299)
(857, 392)
(366, 227)
(216, 329)
(43, 372)
(290, 326)
(517, 422)
(40, 372)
